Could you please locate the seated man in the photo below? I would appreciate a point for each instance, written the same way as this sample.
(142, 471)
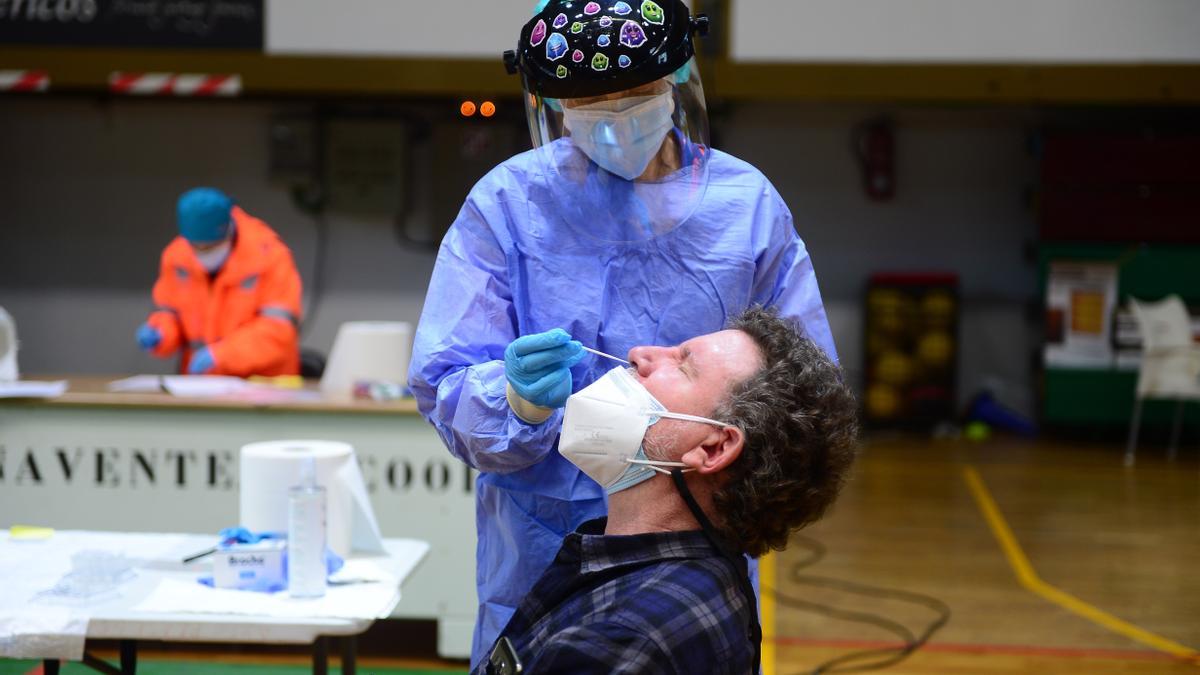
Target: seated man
(721, 446)
(228, 294)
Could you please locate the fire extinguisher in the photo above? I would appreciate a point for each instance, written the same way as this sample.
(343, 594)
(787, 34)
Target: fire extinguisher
(874, 146)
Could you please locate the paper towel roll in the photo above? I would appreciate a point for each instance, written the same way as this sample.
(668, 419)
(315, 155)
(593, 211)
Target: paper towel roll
(269, 469)
(8, 348)
(367, 350)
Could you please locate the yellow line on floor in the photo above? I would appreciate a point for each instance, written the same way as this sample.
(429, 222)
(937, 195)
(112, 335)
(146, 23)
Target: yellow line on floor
(1028, 577)
(766, 586)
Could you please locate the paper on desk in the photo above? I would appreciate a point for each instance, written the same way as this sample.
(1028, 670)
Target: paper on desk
(42, 632)
(32, 389)
(211, 386)
(204, 386)
(353, 601)
(196, 386)
(138, 384)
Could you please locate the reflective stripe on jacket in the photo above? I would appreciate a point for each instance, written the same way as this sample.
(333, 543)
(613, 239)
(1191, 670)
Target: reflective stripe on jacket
(248, 314)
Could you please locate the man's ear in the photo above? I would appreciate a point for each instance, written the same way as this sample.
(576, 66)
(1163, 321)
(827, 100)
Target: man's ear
(716, 450)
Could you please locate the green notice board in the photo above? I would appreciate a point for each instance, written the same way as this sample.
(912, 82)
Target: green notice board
(1083, 397)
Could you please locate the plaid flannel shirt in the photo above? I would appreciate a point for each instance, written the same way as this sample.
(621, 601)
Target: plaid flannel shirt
(663, 602)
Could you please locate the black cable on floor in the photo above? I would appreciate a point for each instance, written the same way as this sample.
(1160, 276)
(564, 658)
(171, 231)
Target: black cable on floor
(883, 657)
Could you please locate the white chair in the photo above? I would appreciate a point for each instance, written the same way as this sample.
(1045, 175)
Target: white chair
(1170, 364)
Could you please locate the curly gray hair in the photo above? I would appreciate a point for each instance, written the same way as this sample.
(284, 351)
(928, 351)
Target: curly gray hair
(801, 430)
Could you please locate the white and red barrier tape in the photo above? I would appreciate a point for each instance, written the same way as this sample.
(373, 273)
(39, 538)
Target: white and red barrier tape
(174, 84)
(24, 80)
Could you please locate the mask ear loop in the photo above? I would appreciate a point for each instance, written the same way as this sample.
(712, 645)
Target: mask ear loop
(738, 561)
(657, 465)
(686, 417)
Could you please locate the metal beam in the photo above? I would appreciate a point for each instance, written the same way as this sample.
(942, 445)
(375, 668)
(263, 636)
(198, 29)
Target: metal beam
(79, 69)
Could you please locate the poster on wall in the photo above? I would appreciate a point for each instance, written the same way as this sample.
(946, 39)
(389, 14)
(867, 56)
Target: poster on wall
(1080, 300)
(186, 24)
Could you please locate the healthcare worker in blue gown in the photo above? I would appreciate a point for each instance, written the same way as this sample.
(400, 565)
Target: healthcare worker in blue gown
(622, 227)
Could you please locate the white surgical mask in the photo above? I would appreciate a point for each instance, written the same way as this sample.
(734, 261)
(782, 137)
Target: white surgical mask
(603, 428)
(213, 258)
(621, 135)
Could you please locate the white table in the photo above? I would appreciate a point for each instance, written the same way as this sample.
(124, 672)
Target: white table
(120, 618)
(95, 460)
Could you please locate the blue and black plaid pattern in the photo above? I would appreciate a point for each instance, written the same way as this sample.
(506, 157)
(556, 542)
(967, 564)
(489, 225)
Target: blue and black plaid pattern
(649, 603)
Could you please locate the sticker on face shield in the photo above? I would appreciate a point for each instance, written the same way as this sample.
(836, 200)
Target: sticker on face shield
(591, 8)
(560, 21)
(651, 12)
(556, 46)
(603, 41)
(577, 28)
(577, 56)
(562, 72)
(599, 62)
(624, 61)
(605, 21)
(632, 35)
(622, 8)
(538, 34)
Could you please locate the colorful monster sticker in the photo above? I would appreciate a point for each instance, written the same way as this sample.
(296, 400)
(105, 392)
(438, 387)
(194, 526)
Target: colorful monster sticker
(632, 35)
(605, 21)
(556, 46)
(577, 27)
(622, 8)
(560, 21)
(599, 62)
(591, 8)
(603, 41)
(538, 34)
(622, 61)
(651, 12)
(577, 56)
(562, 71)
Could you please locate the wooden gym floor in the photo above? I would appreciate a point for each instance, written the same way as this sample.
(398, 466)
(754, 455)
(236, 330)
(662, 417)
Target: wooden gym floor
(1051, 557)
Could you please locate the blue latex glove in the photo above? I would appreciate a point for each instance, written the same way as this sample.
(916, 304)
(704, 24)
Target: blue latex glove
(240, 535)
(148, 337)
(538, 366)
(202, 362)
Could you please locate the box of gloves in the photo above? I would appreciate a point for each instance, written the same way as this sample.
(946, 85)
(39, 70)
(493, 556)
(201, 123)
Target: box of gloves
(258, 566)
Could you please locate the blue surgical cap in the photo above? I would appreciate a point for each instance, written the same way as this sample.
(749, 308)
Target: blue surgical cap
(203, 215)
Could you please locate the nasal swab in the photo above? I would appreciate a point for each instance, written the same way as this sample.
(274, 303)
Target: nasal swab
(607, 356)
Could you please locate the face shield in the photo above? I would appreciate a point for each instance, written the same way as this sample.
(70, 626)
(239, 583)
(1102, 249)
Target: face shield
(617, 116)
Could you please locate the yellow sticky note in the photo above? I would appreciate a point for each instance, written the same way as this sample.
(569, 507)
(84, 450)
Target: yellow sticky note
(29, 533)
(282, 381)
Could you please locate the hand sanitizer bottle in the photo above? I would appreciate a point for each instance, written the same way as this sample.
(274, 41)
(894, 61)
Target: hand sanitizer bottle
(306, 535)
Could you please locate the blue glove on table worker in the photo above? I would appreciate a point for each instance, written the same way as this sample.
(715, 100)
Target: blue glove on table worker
(148, 337)
(202, 362)
(538, 367)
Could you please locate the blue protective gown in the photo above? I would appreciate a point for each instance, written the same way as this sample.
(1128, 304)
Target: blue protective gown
(509, 266)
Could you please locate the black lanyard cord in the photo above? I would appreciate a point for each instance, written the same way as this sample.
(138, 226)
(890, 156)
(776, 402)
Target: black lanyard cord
(737, 560)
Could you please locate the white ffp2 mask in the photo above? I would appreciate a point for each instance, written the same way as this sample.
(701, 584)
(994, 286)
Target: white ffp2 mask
(621, 135)
(212, 259)
(603, 427)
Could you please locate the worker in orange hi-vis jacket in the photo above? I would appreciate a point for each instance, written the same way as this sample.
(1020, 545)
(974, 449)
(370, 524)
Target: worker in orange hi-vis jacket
(228, 294)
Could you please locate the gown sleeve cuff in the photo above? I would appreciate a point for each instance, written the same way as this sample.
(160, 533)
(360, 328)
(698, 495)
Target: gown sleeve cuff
(528, 412)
